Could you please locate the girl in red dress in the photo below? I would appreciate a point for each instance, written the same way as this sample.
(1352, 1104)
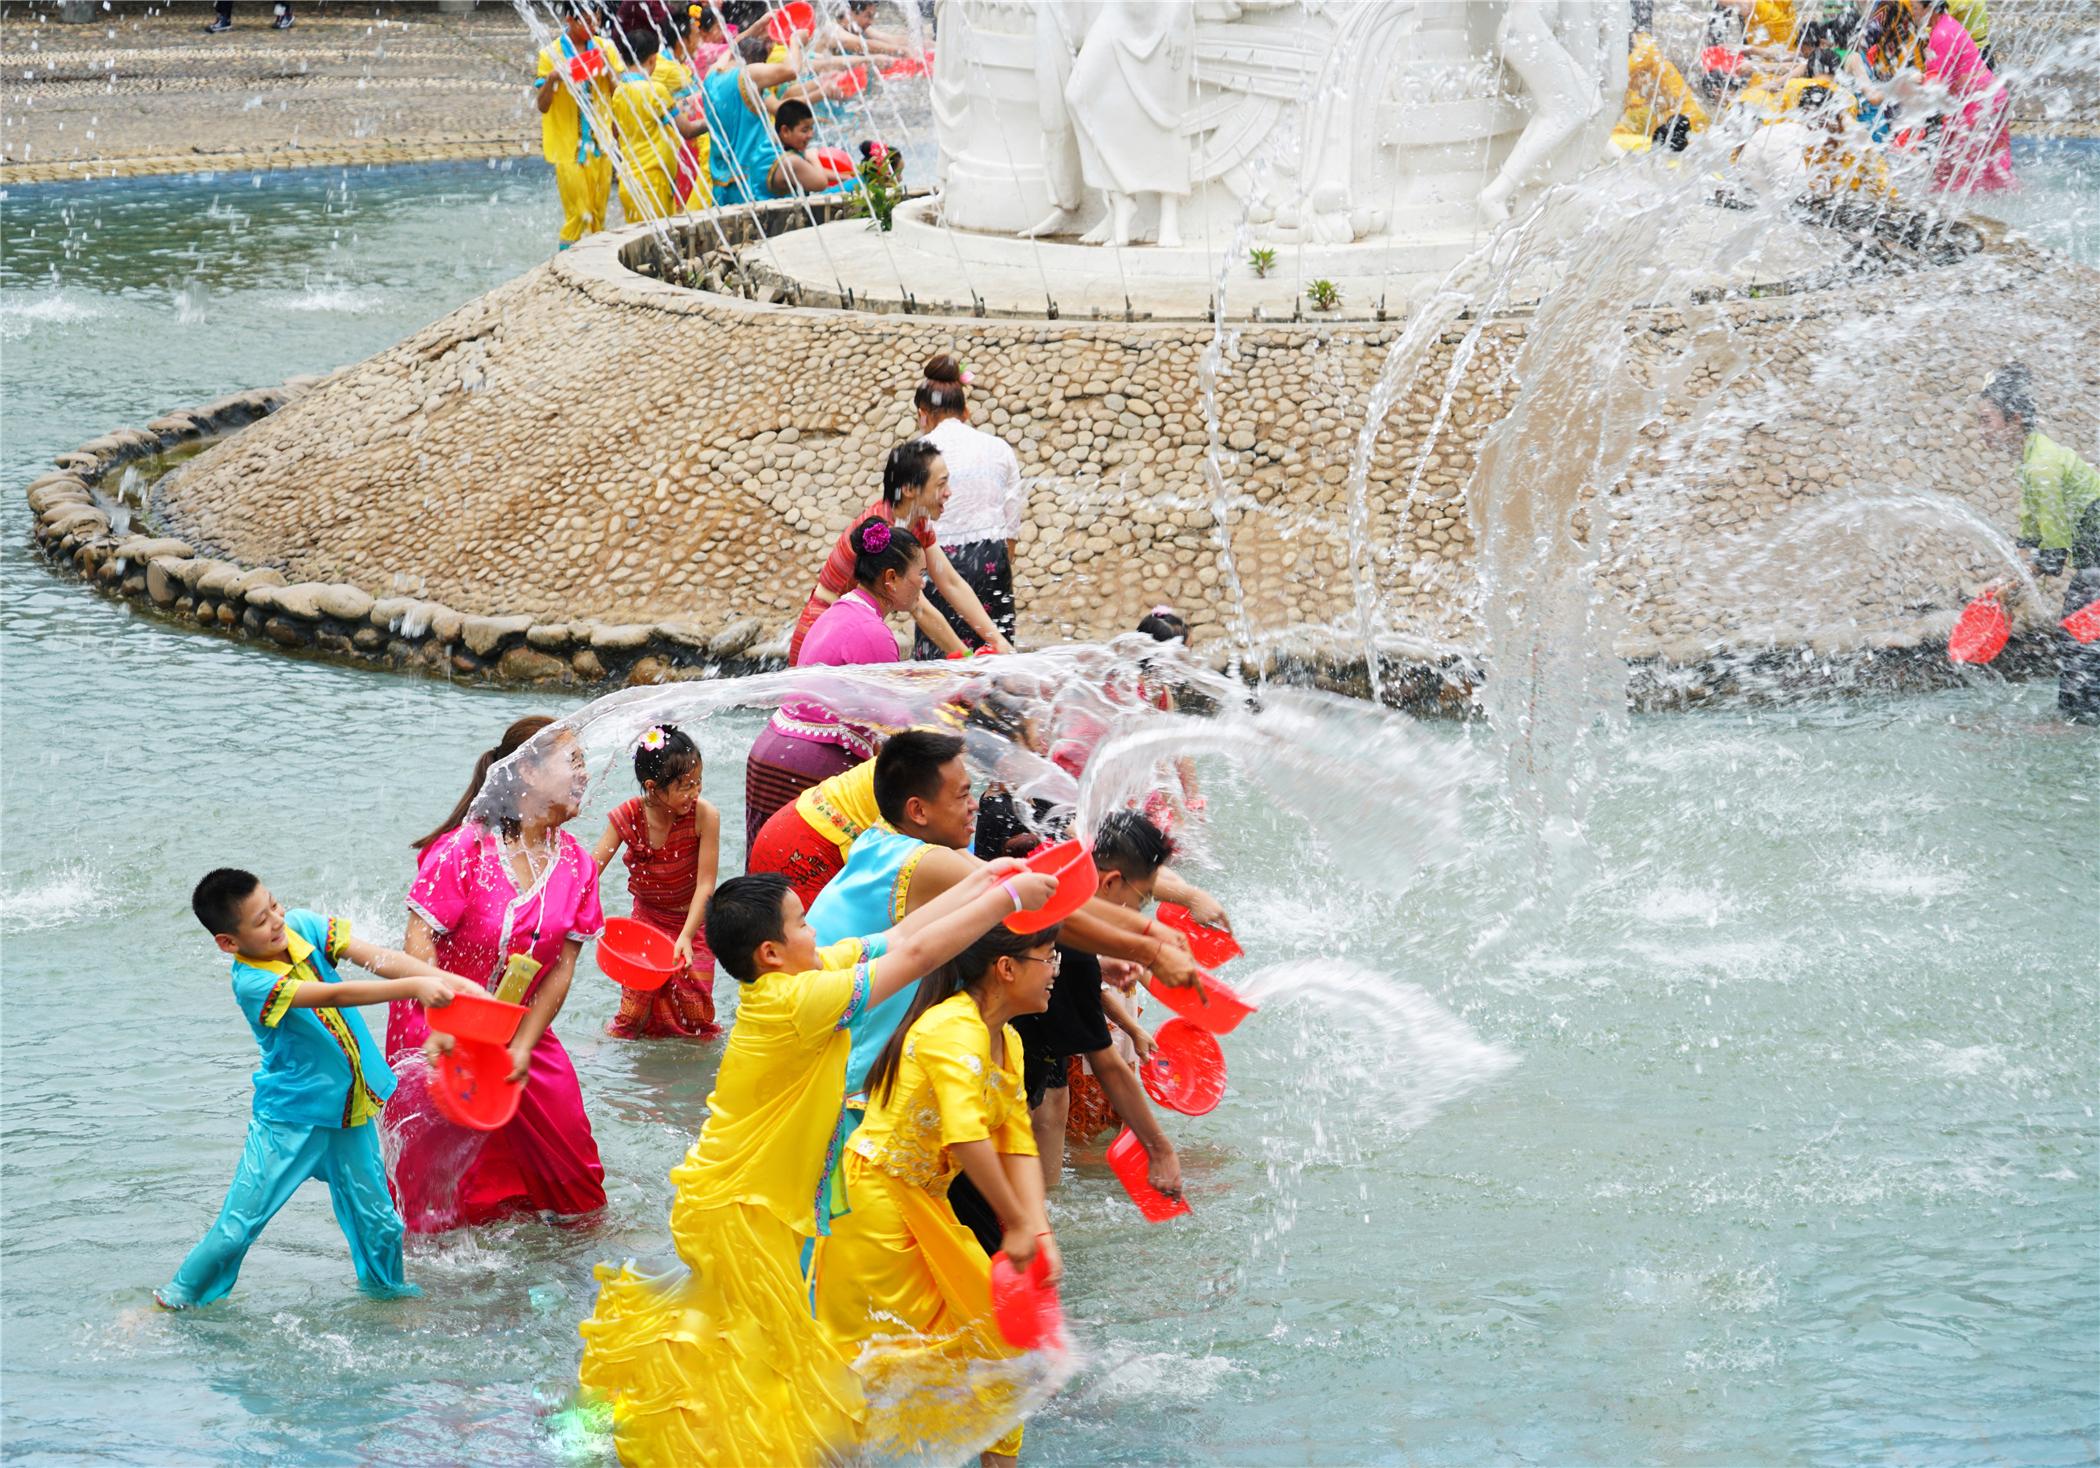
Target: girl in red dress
(672, 840)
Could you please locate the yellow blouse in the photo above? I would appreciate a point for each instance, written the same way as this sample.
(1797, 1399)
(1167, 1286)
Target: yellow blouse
(947, 1091)
(774, 1112)
(842, 807)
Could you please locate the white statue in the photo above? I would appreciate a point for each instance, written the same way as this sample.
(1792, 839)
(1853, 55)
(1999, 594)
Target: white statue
(1317, 122)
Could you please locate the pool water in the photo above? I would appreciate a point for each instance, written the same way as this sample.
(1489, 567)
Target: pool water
(1771, 1137)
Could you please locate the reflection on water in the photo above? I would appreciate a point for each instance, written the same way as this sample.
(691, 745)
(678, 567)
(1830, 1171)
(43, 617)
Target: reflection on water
(1773, 1141)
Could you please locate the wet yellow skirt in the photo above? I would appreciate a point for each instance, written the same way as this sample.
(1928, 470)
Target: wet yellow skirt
(911, 1286)
(720, 1363)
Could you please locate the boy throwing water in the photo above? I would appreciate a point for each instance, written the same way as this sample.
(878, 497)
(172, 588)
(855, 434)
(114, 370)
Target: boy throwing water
(321, 1084)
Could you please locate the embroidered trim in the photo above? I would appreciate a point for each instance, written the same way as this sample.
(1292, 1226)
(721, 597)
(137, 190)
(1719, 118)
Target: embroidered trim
(859, 1001)
(336, 939)
(279, 1001)
(900, 891)
(424, 913)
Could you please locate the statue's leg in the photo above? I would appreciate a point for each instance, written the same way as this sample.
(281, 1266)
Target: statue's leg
(1115, 225)
(1559, 101)
(1169, 236)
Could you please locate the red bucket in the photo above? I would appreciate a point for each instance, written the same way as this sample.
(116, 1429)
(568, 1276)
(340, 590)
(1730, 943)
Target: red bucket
(1726, 60)
(472, 1086)
(2084, 624)
(783, 23)
(1073, 866)
(1025, 1303)
(905, 66)
(1212, 1006)
(1126, 1154)
(1980, 634)
(1186, 1070)
(1211, 946)
(474, 1019)
(635, 955)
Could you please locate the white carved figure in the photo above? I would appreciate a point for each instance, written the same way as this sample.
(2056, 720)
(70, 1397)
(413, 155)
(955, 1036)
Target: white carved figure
(1562, 90)
(1128, 98)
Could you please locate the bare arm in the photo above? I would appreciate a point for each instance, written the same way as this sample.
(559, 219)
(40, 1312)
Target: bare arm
(710, 821)
(1202, 906)
(392, 963)
(963, 599)
(607, 845)
(1122, 1019)
(545, 90)
(982, 901)
(1103, 928)
(936, 627)
(433, 993)
(1014, 1187)
(1127, 1094)
(546, 1004)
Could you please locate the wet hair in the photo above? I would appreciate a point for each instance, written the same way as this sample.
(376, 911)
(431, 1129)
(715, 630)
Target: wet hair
(907, 467)
(1129, 843)
(794, 110)
(514, 739)
(900, 548)
(744, 913)
(909, 767)
(1164, 624)
(943, 390)
(218, 897)
(641, 44)
(754, 46)
(667, 763)
(860, 4)
(944, 983)
(2011, 392)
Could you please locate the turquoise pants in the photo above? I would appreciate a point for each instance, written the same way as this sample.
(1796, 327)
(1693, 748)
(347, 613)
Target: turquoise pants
(275, 1161)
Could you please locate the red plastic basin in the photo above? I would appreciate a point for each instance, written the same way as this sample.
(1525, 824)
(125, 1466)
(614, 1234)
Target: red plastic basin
(1981, 633)
(470, 1017)
(1025, 1304)
(1186, 1070)
(1126, 1154)
(1073, 866)
(2084, 624)
(1213, 1006)
(635, 955)
(472, 1087)
(1211, 946)
(788, 19)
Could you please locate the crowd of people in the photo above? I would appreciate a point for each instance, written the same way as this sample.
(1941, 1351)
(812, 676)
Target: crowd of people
(901, 1068)
(697, 106)
(1841, 94)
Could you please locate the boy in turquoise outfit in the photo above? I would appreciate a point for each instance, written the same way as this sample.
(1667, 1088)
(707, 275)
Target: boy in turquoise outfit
(321, 1084)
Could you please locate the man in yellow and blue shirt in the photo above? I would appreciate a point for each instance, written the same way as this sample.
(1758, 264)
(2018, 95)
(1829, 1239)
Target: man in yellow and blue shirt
(577, 65)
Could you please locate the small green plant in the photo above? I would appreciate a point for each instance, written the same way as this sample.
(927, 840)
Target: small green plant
(1263, 261)
(1325, 295)
(881, 185)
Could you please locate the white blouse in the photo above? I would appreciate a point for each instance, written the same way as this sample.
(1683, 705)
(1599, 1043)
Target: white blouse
(985, 499)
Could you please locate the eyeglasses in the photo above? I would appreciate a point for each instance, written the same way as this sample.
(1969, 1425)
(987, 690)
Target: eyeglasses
(1056, 960)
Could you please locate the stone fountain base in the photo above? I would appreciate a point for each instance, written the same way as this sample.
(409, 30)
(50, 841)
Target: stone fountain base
(595, 473)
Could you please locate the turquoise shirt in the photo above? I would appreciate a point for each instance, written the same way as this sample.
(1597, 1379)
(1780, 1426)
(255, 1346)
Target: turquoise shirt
(868, 897)
(319, 1066)
(742, 148)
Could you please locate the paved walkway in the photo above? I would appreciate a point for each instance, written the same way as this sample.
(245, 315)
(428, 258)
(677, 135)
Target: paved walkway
(144, 94)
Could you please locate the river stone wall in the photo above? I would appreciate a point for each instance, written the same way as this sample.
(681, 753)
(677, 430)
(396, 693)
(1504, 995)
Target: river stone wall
(589, 473)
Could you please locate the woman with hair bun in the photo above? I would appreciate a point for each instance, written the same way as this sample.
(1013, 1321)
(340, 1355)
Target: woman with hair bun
(982, 520)
(806, 742)
(914, 494)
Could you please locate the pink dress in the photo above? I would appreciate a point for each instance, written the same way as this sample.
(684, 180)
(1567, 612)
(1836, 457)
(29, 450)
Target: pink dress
(1975, 144)
(545, 1158)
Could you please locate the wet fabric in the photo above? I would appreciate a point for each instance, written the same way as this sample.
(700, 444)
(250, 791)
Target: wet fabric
(836, 576)
(320, 1066)
(662, 881)
(869, 896)
(276, 1160)
(641, 112)
(987, 568)
(786, 759)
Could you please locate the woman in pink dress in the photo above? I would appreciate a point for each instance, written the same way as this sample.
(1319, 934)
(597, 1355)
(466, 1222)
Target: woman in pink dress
(1974, 145)
(509, 898)
(806, 742)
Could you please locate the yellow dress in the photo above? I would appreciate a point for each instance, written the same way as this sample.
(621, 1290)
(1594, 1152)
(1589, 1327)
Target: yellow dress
(676, 80)
(721, 1362)
(569, 141)
(900, 1274)
(641, 112)
(1656, 94)
(842, 807)
(1771, 23)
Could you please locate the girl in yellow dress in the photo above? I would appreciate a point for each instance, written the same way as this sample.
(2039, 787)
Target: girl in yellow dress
(721, 1362)
(898, 1271)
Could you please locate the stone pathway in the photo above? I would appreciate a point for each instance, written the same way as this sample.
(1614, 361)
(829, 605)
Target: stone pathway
(144, 94)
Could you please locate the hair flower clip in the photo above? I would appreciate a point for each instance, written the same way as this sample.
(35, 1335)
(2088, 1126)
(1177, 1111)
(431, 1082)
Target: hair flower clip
(1161, 612)
(875, 538)
(653, 738)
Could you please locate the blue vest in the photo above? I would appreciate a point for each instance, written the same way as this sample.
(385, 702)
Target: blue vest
(867, 897)
(742, 149)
